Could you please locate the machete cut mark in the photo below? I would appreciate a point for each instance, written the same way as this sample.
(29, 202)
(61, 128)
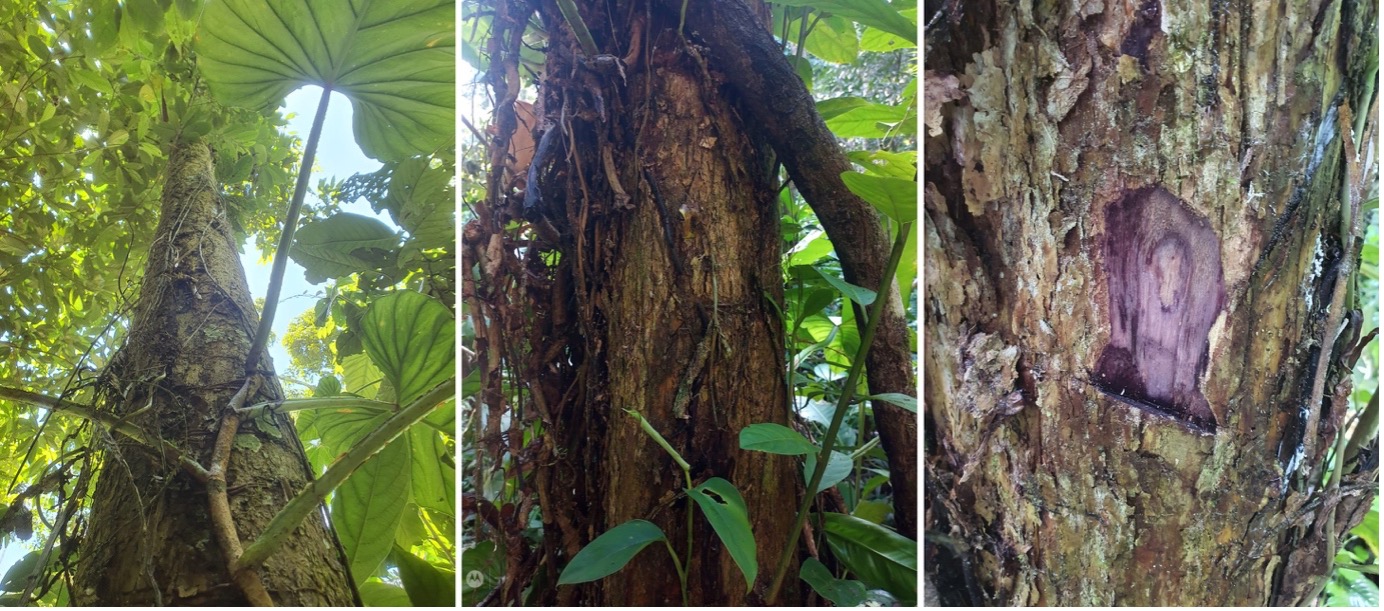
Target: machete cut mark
(1163, 271)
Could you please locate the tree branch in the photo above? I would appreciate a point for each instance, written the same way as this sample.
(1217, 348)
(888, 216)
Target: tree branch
(119, 425)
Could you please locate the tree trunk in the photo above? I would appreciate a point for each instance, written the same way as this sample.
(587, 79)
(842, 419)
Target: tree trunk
(149, 540)
(1134, 240)
(662, 214)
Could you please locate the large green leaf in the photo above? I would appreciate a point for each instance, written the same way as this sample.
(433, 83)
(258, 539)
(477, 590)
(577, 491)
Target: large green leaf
(427, 584)
(864, 119)
(421, 202)
(833, 39)
(610, 552)
(880, 557)
(873, 13)
(411, 338)
(342, 244)
(392, 58)
(367, 508)
(725, 509)
(775, 439)
(841, 592)
(376, 593)
(858, 294)
(895, 197)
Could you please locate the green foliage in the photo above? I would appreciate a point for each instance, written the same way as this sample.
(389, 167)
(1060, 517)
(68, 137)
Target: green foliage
(775, 439)
(880, 557)
(841, 592)
(610, 552)
(725, 509)
(391, 58)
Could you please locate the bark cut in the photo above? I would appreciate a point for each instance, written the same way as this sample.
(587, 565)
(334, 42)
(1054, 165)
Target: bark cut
(149, 540)
(1042, 489)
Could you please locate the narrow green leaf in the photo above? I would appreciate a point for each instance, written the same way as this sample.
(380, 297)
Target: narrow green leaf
(725, 509)
(610, 552)
(858, 294)
(897, 399)
(880, 557)
(775, 439)
(841, 592)
(835, 107)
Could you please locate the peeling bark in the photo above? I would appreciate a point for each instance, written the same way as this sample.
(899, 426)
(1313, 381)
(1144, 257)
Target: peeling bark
(1039, 266)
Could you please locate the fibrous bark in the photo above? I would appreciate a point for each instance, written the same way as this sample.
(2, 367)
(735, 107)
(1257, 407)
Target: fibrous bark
(1041, 488)
(149, 540)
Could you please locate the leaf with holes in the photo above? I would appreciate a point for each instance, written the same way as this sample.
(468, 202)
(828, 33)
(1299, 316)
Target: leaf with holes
(725, 509)
(392, 58)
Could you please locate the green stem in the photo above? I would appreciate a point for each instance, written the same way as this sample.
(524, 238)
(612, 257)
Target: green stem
(276, 278)
(677, 565)
(293, 405)
(1372, 569)
(687, 475)
(316, 491)
(569, 12)
(829, 439)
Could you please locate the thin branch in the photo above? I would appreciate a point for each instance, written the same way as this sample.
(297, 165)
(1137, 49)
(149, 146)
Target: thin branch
(119, 425)
(293, 405)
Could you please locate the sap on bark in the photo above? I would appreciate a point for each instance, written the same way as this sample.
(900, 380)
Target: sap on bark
(1163, 273)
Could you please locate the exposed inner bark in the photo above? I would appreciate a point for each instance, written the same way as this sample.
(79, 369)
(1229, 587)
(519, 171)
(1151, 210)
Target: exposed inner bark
(1163, 271)
(149, 540)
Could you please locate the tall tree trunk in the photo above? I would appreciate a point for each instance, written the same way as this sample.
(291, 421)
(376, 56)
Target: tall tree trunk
(1134, 233)
(149, 539)
(663, 216)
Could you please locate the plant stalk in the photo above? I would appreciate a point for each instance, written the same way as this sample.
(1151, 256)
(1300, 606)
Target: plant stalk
(852, 379)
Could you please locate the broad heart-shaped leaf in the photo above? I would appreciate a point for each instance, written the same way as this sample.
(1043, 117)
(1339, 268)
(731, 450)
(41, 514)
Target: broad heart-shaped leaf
(841, 592)
(427, 584)
(411, 338)
(367, 507)
(880, 557)
(725, 509)
(775, 439)
(610, 552)
(895, 197)
(392, 58)
(342, 244)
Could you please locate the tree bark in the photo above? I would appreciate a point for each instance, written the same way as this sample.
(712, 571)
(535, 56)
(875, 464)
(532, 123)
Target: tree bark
(661, 212)
(772, 95)
(1133, 241)
(149, 541)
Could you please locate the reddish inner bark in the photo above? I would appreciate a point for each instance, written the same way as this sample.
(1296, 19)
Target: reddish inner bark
(1163, 268)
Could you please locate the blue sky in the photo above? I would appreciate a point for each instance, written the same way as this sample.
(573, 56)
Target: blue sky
(337, 156)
